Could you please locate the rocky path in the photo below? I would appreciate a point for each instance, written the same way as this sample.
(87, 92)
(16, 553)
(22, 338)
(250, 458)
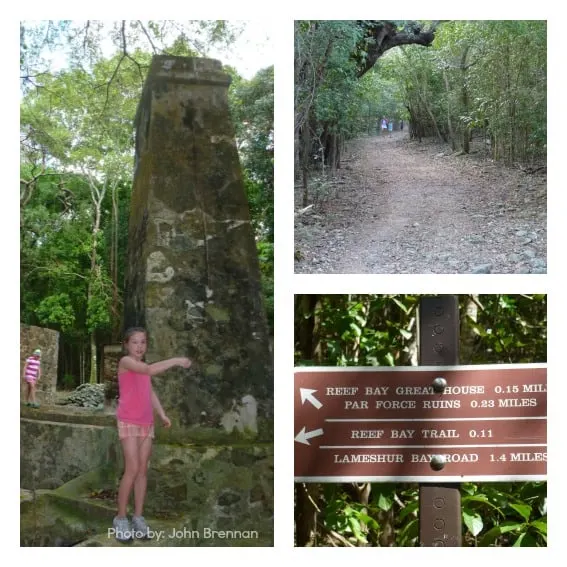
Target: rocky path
(399, 206)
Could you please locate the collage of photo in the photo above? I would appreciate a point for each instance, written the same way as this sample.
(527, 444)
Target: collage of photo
(156, 392)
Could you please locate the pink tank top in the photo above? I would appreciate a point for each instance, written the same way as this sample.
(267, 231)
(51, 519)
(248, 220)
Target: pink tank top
(135, 398)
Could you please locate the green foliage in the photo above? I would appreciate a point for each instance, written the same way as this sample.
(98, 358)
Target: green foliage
(76, 166)
(68, 382)
(483, 79)
(252, 110)
(266, 259)
(56, 311)
(367, 330)
(511, 514)
(510, 328)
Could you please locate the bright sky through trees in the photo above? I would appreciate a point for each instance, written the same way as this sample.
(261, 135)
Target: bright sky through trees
(251, 51)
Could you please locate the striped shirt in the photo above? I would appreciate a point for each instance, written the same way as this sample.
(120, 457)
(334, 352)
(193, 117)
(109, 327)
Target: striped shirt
(32, 368)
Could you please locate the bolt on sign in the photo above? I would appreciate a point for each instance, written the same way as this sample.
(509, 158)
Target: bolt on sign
(421, 424)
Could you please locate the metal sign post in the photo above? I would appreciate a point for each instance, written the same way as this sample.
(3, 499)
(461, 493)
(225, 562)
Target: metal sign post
(439, 504)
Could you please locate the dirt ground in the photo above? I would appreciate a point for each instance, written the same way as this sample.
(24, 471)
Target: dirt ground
(401, 206)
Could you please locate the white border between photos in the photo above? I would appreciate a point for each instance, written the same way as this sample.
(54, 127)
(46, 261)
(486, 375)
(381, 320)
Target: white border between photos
(281, 17)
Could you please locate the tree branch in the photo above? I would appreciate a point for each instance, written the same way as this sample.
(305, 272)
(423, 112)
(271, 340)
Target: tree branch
(156, 50)
(381, 36)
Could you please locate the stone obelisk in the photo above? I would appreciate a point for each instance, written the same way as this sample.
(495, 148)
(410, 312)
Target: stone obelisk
(193, 279)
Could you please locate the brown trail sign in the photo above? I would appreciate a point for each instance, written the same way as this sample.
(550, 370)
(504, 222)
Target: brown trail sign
(383, 424)
(437, 424)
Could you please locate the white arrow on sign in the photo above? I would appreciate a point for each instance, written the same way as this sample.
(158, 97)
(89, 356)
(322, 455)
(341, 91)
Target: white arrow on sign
(304, 436)
(307, 394)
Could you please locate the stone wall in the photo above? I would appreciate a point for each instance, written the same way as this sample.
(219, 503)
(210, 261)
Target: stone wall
(110, 359)
(197, 496)
(53, 453)
(47, 341)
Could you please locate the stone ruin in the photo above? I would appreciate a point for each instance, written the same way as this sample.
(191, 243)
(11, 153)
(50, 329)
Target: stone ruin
(193, 281)
(193, 278)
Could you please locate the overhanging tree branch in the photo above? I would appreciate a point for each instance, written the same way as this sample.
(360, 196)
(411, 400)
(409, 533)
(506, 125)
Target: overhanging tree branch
(381, 36)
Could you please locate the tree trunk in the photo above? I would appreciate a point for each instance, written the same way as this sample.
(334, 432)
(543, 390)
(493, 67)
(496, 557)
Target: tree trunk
(82, 365)
(309, 346)
(114, 267)
(468, 334)
(465, 99)
(449, 124)
(97, 196)
(93, 373)
(305, 151)
(441, 137)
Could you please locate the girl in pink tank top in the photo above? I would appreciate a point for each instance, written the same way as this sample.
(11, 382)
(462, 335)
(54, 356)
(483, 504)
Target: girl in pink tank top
(135, 414)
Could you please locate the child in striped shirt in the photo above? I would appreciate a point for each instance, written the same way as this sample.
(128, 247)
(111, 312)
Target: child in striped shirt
(32, 373)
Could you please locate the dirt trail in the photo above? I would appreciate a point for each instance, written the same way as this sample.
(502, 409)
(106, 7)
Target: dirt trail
(399, 206)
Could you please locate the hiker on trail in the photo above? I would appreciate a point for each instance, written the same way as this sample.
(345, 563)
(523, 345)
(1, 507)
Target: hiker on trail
(384, 124)
(136, 402)
(31, 374)
(390, 125)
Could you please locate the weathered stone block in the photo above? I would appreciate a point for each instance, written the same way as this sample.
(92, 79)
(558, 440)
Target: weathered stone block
(196, 497)
(53, 453)
(110, 358)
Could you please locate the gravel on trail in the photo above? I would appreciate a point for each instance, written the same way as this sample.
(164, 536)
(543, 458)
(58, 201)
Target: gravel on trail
(406, 207)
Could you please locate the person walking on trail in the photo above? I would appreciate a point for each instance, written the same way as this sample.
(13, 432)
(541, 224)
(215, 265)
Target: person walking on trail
(31, 375)
(390, 126)
(136, 404)
(384, 124)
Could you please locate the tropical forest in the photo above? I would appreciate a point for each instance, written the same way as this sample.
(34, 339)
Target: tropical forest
(80, 86)
(420, 146)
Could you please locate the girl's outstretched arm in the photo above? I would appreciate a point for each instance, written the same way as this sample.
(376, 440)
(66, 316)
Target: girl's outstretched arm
(129, 363)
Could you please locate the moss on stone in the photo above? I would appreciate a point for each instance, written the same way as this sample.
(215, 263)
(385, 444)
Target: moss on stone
(216, 313)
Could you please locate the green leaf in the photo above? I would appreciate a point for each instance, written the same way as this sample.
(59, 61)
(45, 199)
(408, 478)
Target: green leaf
(540, 525)
(510, 526)
(369, 521)
(357, 330)
(384, 502)
(490, 536)
(390, 358)
(409, 533)
(525, 540)
(356, 530)
(473, 521)
(481, 498)
(406, 334)
(410, 508)
(523, 509)
(468, 487)
(400, 305)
